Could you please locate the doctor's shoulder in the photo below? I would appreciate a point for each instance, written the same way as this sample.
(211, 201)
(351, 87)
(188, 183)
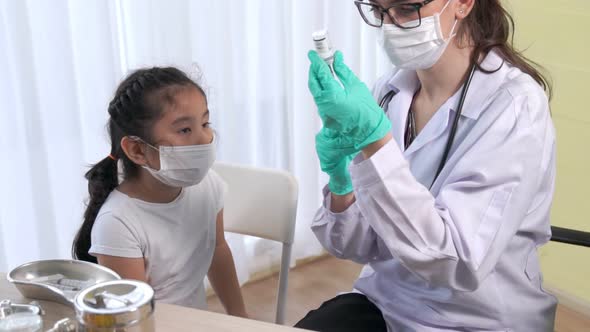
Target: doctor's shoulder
(520, 102)
(522, 93)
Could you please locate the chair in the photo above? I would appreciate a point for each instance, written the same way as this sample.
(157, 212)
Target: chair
(570, 236)
(262, 203)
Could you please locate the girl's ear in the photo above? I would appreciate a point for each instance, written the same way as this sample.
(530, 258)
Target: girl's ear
(135, 150)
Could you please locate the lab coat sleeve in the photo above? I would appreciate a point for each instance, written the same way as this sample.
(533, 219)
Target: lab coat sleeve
(347, 235)
(456, 238)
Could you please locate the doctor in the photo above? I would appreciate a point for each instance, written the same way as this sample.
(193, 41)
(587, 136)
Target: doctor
(448, 196)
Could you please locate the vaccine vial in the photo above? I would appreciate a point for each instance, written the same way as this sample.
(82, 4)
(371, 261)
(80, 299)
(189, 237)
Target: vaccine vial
(323, 46)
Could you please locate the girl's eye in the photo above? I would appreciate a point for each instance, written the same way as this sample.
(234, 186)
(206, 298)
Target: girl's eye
(207, 125)
(185, 131)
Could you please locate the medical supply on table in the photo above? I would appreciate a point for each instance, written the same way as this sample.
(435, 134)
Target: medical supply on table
(58, 280)
(120, 305)
(65, 284)
(20, 317)
(65, 325)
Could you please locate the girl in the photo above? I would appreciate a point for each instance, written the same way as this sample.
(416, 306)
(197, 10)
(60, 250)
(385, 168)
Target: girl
(450, 194)
(163, 224)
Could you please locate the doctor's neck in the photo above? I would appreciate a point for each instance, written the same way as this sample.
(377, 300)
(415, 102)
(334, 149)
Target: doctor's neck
(445, 78)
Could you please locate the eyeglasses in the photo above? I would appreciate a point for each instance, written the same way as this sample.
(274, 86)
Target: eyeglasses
(404, 15)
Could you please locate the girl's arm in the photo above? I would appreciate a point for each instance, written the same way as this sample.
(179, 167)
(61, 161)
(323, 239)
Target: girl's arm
(127, 268)
(222, 274)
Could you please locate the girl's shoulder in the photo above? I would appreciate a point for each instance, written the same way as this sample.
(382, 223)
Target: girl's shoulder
(117, 230)
(118, 208)
(116, 203)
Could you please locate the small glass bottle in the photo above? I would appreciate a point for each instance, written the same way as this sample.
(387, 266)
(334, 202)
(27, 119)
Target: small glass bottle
(323, 46)
(20, 317)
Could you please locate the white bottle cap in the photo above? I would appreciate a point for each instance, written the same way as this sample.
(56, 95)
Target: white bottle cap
(323, 45)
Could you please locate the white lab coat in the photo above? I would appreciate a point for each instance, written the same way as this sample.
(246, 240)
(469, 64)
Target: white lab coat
(462, 256)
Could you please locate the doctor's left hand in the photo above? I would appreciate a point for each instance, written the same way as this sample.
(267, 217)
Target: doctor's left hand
(335, 153)
(350, 110)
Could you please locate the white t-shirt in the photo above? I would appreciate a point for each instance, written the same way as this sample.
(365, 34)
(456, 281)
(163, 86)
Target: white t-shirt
(176, 239)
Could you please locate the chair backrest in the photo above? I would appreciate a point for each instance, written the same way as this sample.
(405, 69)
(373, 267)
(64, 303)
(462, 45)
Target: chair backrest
(260, 202)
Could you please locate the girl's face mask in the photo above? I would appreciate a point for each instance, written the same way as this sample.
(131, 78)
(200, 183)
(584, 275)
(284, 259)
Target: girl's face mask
(184, 166)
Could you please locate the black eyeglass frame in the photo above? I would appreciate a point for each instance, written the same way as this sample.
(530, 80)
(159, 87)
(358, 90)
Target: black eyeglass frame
(416, 5)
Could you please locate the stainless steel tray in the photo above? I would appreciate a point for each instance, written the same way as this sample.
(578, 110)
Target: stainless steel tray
(58, 280)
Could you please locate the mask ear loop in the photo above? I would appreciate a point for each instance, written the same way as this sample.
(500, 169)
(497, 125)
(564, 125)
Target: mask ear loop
(452, 34)
(139, 139)
(445, 7)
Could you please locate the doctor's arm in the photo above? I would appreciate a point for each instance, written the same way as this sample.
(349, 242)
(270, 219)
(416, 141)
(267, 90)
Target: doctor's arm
(343, 231)
(456, 238)
(340, 203)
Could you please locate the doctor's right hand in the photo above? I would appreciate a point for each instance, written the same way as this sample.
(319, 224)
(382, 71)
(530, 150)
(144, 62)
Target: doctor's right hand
(335, 152)
(349, 109)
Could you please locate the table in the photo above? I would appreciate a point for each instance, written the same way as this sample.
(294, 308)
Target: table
(168, 317)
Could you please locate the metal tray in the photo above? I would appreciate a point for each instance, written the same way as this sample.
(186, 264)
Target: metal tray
(58, 280)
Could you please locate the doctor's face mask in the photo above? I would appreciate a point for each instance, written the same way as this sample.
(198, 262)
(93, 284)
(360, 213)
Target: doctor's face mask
(418, 43)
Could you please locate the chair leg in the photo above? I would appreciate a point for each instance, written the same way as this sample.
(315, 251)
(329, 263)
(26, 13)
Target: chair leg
(283, 283)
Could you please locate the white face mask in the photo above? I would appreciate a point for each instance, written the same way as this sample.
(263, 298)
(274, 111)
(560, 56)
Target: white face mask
(417, 48)
(184, 166)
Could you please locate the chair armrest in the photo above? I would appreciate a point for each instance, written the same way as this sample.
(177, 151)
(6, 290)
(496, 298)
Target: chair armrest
(570, 236)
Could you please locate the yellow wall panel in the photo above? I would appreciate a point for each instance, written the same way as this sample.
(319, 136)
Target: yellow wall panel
(556, 34)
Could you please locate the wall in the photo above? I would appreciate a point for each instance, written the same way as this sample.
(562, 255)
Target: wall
(556, 34)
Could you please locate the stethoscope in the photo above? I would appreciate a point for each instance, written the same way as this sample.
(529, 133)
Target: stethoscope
(410, 126)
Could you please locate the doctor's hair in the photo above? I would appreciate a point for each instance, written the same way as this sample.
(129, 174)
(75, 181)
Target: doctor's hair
(138, 104)
(491, 27)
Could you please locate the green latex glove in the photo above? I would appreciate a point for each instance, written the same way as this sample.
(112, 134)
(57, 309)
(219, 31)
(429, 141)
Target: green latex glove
(335, 153)
(350, 110)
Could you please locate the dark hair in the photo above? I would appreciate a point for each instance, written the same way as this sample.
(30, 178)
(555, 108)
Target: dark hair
(491, 27)
(138, 103)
